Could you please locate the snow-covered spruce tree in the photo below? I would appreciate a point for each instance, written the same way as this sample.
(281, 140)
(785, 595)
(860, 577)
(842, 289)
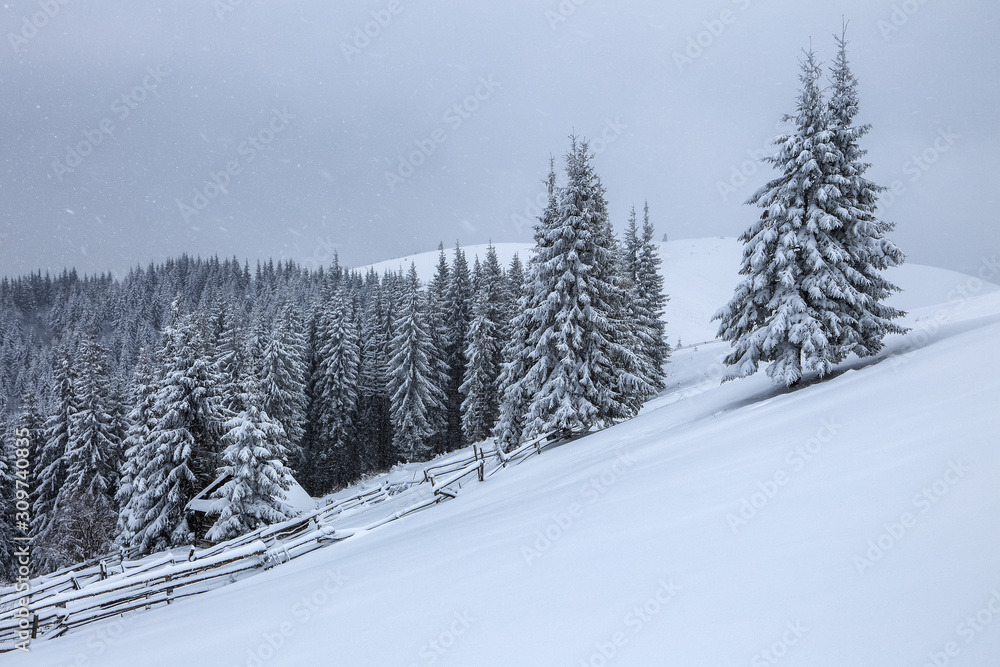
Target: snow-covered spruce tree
(184, 438)
(283, 379)
(484, 352)
(646, 300)
(514, 396)
(797, 305)
(374, 425)
(862, 234)
(254, 460)
(438, 299)
(579, 374)
(131, 496)
(415, 392)
(339, 360)
(513, 290)
(92, 458)
(47, 518)
(458, 311)
(8, 486)
(232, 355)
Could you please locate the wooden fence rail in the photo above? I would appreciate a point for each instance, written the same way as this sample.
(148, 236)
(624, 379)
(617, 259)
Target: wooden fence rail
(111, 585)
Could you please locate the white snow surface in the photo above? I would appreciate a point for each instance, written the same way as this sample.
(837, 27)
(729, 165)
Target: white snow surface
(700, 275)
(869, 533)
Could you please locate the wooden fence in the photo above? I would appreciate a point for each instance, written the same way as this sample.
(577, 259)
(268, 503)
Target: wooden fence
(117, 584)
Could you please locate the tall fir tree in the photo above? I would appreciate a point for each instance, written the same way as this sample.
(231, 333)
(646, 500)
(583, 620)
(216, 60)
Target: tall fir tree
(578, 374)
(184, 438)
(484, 352)
(799, 305)
(646, 299)
(93, 450)
(339, 361)
(375, 427)
(862, 233)
(458, 311)
(253, 460)
(131, 497)
(92, 458)
(414, 379)
(514, 395)
(8, 508)
(48, 522)
(283, 380)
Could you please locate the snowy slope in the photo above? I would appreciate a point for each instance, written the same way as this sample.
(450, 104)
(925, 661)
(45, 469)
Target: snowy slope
(723, 522)
(700, 274)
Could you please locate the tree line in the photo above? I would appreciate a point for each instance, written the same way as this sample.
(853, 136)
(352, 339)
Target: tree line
(140, 392)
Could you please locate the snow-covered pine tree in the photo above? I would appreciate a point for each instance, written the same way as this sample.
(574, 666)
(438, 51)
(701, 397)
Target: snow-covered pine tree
(339, 360)
(254, 461)
(579, 374)
(514, 396)
(484, 352)
(374, 425)
(862, 233)
(283, 379)
(131, 496)
(646, 300)
(437, 297)
(232, 355)
(92, 458)
(795, 306)
(93, 451)
(513, 291)
(47, 518)
(651, 284)
(415, 392)
(458, 315)
(8, 486)
(184, 439)
(25, 432)
(311, 446)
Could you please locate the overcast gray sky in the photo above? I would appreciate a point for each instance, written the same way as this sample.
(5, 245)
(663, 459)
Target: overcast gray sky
(115, 114)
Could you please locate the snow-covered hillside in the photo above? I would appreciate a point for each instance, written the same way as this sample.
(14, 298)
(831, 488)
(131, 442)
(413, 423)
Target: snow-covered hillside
(849, 522)
(700, 274)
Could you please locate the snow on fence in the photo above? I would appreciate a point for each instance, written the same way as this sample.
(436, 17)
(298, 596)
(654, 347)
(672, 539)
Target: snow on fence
(113, 585)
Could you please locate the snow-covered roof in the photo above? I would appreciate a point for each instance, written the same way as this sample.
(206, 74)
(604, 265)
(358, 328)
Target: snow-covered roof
(295, 497)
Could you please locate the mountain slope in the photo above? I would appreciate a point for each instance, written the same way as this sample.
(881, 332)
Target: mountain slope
(867, 535)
